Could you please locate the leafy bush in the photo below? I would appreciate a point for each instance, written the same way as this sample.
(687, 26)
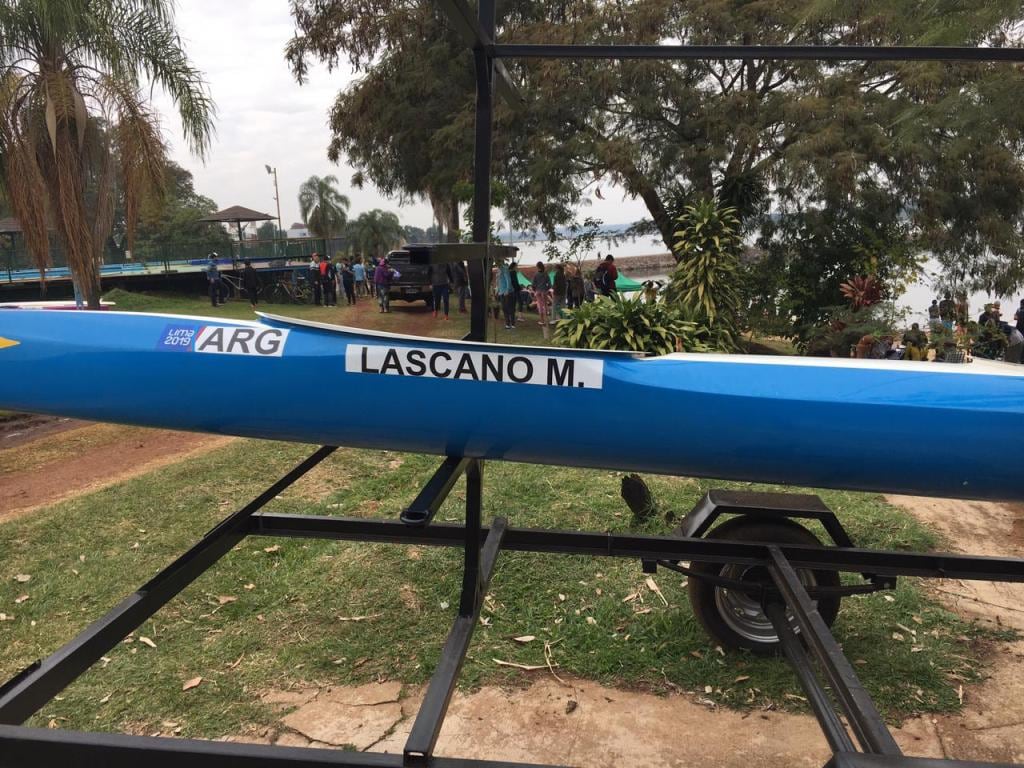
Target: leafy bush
(845, 327)
(630, 324)
(706, 281)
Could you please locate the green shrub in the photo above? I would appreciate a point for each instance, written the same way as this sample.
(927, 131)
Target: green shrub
(705, 283)
(630, 324)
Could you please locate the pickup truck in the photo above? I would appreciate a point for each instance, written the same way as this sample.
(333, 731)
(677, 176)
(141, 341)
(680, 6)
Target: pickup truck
(414, 283)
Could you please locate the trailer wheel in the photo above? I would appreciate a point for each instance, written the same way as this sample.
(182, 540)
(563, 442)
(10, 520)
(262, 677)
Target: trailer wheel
(735, 619)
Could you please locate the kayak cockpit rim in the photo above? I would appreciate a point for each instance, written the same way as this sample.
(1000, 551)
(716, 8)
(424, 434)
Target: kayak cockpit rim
(351, 331)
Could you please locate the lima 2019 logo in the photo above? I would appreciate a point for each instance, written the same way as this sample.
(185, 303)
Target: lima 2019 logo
(223, 340)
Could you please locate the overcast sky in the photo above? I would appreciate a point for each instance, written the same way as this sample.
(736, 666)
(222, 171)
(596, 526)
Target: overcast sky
(264, 117)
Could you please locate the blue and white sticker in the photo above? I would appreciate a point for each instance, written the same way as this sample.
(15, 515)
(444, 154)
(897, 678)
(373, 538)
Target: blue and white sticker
(224, 340)
(466, 365)
(178, 338)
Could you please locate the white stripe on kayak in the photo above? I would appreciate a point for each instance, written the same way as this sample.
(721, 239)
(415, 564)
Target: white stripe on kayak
(977, 367)
(346, 329)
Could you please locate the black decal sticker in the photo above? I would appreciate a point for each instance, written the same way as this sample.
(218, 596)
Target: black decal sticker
(563, 377)
(268, 342)
(433, 365)
(241, 338)
(524, 361)
(215, 340)
(366, 367)
(415, 365)
(466, 366)
(491, 370)
(391, 362)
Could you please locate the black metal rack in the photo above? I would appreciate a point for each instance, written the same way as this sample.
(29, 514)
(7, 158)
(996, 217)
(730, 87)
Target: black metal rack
(852, 726)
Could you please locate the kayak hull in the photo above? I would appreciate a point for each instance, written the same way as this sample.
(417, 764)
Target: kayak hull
(916, 428)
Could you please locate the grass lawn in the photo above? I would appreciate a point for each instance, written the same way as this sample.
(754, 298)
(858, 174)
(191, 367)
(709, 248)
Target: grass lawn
(283, 613)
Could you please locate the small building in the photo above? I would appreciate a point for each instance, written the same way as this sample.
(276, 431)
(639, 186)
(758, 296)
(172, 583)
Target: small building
(298, 230)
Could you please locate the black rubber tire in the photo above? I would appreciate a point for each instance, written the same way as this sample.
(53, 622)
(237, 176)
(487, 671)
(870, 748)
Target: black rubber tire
(703, 594)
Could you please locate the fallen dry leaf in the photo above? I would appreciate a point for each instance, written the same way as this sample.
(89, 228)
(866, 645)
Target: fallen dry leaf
(591, 620)
(889, 598)
(360, 618)
(960, 694)
(741, 679)
(897, 636)
(272, 549)
(106, 698)
(22, 578)
(653, 586)
(147, 641)
(20, 600)
(188, 685)
(708, 689)
(225, 599)
(6, 617)
(249, 586)
(524, 667)
(524, 639)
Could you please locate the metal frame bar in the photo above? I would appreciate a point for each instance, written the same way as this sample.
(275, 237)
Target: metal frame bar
(848, 560)
(431, 497)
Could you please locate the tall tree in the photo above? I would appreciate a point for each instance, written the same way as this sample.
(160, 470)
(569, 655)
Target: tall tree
(324, 209)
(375, 232)
(63, 64)
(174, 218)
(801, 135)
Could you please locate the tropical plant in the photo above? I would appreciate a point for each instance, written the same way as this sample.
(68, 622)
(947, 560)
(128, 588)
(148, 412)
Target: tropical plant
(74, 117)
(705, 281)
(862, 291)
(324, 209)
(375, 232)
(631, 324)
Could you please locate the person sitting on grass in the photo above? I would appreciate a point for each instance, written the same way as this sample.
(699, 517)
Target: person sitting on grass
(916, 342)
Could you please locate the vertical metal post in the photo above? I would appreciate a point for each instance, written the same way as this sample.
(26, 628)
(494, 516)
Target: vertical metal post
(480, 269)
(470, 595)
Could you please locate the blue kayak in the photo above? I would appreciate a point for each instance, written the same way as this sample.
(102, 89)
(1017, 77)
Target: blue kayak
(918, 428)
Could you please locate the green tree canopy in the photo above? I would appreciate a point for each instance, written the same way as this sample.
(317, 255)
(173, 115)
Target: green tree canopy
(375, 232)
(174, 218)
(324, 209)
(63, 65)
(941, 140)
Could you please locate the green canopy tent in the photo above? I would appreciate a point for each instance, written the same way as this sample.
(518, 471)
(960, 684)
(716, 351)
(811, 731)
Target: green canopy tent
(623, 284)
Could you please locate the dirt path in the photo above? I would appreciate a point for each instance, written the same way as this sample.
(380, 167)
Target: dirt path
(59, 464)
(992, 724)
(22, 428)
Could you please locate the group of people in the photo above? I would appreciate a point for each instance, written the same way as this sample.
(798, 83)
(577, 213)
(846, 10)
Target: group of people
(329, 278)
(996, 337)
(553, 290)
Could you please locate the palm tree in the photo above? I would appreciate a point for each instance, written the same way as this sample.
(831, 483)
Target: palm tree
(324, 208)
(376, 232)
(74, 118)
